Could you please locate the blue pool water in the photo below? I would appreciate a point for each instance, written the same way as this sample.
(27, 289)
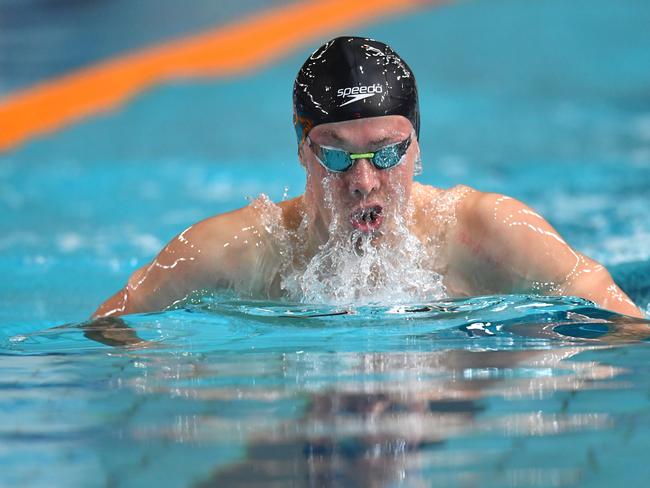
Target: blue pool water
(493, 391)
(545, 101)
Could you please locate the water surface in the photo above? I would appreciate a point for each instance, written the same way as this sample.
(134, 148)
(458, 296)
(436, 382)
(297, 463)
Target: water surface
(491, 391)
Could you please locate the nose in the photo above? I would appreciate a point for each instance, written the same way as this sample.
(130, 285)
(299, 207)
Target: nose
(364, 179)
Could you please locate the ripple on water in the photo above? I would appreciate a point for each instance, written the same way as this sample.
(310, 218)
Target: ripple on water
(224, 323)
(241, 391)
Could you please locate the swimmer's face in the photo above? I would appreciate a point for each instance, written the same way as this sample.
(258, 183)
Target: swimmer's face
(363, 198)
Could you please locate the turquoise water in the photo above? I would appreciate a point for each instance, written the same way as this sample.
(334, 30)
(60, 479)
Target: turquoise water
(493, 391)
(545, 101)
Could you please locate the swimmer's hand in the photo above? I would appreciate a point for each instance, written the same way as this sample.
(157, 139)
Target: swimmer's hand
(114, 332)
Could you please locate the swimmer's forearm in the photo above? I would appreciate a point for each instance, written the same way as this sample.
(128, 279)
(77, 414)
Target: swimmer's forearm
(118, 304)
(600, 288)
(155, 292)
(615, 300)
(126, 302)
(627, 309)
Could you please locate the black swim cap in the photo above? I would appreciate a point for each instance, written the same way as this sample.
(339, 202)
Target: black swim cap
(352, 78)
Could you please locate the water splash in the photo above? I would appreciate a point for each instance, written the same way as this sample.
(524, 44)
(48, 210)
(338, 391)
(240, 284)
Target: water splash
(388, 266)
(354, 270)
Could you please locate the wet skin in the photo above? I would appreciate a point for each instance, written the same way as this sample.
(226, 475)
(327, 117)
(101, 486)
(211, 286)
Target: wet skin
(481, 243)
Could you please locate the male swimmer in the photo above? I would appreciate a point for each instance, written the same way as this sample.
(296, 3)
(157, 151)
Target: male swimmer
(363, 229)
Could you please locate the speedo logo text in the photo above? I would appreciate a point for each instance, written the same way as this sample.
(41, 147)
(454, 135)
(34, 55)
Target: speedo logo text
(356, 93)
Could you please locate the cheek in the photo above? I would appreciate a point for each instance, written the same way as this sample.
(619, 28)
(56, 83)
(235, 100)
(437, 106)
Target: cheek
(315, 178)
(400, 179)
(323, 184)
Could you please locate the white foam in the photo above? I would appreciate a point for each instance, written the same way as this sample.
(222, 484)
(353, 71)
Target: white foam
(353, 267)
(354, 270)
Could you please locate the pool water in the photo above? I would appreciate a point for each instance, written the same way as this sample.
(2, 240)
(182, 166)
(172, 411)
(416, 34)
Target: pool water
(546, 101)
(492, 391)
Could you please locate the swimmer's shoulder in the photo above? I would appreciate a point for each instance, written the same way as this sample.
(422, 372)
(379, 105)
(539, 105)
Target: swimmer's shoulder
(461, 210)
(260, 215)
(434, 205)
(262, 221)
(485, 210)
(427, 193)
(221, 228)
(293, 212)
(229, 235)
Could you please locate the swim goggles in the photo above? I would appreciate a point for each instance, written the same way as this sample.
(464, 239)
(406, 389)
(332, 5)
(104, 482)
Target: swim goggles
(338, 160)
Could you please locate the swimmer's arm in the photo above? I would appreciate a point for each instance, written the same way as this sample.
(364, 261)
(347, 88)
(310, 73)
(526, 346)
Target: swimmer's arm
(503, 246)
(202, 257)
(170, 277)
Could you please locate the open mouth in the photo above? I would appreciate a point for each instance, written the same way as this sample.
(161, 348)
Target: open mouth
(367, 219)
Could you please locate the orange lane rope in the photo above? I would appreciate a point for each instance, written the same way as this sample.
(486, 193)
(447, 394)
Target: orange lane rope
(225, 51)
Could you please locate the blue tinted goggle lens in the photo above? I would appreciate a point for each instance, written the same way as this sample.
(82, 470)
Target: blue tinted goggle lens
(338, 160)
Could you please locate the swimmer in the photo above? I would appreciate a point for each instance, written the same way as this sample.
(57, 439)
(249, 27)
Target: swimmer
(357, 122)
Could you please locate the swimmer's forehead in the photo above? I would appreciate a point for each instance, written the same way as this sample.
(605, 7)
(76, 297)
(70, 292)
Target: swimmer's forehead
(362, 134)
